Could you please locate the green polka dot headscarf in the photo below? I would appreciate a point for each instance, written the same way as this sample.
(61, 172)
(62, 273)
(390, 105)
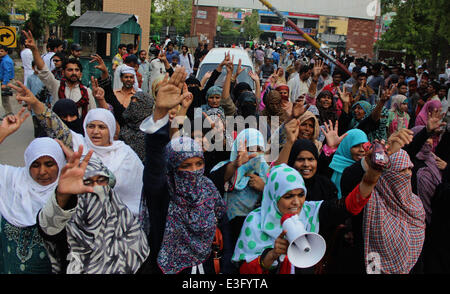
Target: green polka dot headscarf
(263, 225)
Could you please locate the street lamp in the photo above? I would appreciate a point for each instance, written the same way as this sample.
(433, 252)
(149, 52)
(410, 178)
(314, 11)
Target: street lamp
(242, 32)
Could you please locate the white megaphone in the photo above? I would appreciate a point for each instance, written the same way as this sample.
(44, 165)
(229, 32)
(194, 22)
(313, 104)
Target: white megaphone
(305, 248)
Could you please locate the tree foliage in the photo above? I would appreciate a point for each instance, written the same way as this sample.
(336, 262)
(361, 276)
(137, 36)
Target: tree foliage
(174, 13)
(422, 27)
(251, 26)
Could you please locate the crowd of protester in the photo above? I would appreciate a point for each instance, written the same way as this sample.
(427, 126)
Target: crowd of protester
(121, 177)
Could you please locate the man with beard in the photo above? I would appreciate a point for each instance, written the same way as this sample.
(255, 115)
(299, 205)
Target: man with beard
(70, 86)
(129, 61)
(124, 95)
(144, 70)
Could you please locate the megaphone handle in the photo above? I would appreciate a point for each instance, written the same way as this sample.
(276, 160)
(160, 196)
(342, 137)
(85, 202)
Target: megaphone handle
(303, 244)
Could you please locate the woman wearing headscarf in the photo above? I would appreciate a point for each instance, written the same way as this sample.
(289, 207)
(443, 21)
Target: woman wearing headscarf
(99, 127)
(275, 109)
(128, 117)
(304, 158)
(350, 150)
(327, 107)
(394, 221)
(86, 227)
(23, 192)
(185, 207)
(398, 114)
(372, 119)
(262, 248)
(308, 126)
(242, 177)
(426, 175)
(430, 109)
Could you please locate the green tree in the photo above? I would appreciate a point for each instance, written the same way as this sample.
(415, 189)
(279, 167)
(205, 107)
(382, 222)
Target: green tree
(251, 26)
(172, 13)
(422, 27)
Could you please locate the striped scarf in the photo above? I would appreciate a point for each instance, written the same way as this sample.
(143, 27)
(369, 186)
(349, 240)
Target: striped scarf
(394, 221)
(83, 102)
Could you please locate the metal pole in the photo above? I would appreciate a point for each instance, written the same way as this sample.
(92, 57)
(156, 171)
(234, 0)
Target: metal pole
(306, 36)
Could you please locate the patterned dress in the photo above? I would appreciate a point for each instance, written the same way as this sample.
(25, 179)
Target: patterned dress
(22, 250)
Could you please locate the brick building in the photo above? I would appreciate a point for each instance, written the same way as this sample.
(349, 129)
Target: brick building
(360, 37)
(203, 23)
(140, 8)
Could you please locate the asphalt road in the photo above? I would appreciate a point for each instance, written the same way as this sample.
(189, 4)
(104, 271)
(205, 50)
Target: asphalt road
(12, 149)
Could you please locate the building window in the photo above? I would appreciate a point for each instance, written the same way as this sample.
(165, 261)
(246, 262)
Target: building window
(331, 30)
(310, 24)
(270, 19)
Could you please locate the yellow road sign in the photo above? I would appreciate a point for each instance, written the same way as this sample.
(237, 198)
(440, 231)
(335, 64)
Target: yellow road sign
(8, 36)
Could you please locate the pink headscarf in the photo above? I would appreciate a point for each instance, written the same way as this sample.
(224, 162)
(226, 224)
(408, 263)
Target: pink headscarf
(422, 117)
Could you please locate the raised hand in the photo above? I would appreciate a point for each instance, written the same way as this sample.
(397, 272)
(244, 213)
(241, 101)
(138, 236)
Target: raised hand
(331, 134)
(434, 122)
(398, 140)
(239, 69)
(225, 60)
(170, 93)
(29, 40)
(230, 66)
(101, 64)
(318, 67)
(187, 97)
(299, 108)
(24, 94)
(97, 92)
(346, 97)
(292, 130)
(387, 93)
(253, 76)
(71, 178)
(243, 157)
(12, 123)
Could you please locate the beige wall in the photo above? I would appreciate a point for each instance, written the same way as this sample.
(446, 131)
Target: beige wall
(140, 8)
(339, 23)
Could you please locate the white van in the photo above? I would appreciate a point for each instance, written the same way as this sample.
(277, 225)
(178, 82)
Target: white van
(216, 55)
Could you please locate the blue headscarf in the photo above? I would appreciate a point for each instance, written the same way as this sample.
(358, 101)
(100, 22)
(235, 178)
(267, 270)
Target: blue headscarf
(241, 199)
(367, 107)
(343, 157)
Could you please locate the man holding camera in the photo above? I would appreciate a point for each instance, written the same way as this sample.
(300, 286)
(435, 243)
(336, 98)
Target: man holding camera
(6, 75)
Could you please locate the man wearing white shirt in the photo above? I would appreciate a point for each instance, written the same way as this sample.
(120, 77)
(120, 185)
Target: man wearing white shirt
(186, 60)
(27, 58)
(299, 85)
(52, 48)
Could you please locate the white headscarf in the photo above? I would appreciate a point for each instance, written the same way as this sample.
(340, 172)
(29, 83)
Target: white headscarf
(119, 158)
(21, 197)
(117, 83)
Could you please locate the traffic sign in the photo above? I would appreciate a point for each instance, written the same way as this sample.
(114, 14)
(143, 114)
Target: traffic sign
(8, 37)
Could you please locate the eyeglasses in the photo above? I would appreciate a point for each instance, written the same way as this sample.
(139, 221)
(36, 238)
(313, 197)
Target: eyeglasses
(102, 180)
(56, 60)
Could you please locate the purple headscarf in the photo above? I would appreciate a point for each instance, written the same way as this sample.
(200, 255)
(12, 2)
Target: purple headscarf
(422, 117)
(194, 209)
(428, 177)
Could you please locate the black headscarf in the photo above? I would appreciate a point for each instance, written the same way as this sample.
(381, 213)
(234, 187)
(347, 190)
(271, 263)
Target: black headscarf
(246, 104)
(198, 96)
(65, 107)
(318, 187)
(237, 90)
(326, 114)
